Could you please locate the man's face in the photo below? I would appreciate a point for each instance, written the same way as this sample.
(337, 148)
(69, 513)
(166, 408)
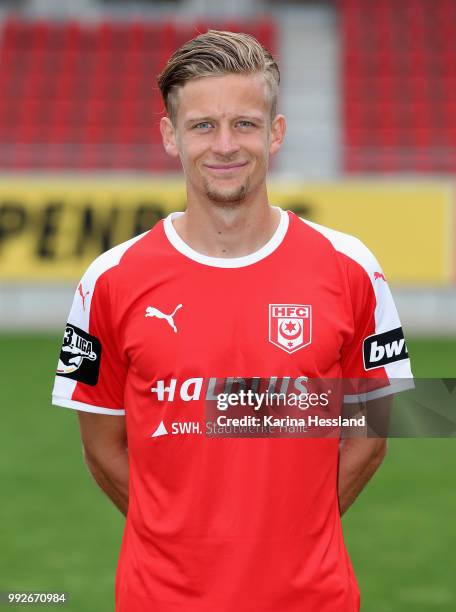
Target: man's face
(224, 135)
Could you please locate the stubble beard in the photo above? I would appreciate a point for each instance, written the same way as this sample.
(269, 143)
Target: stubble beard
(234, 196)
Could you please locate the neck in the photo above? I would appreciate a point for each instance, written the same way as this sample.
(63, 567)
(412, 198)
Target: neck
(227, 230)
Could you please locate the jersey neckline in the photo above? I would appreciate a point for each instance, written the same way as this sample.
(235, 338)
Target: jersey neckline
(226, 262)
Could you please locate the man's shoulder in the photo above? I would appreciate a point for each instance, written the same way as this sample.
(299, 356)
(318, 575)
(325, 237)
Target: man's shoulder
(110, 259)
(347, 245)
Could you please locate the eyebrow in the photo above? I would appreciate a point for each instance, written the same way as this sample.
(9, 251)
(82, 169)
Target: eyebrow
(247, 117)
(197, 120)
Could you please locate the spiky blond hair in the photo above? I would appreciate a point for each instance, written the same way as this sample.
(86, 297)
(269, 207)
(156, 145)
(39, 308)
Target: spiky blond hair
(217, 53)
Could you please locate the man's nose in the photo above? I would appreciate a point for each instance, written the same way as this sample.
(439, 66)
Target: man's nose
(225, 142)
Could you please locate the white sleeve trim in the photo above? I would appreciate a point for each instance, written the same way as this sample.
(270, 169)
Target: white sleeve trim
(74, 405)
(395, 387)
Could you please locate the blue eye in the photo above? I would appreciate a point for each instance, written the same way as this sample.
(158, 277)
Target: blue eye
(204, 125)
(245, 123)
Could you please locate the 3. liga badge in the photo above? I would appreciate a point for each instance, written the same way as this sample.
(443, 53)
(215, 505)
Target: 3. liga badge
(290, 326)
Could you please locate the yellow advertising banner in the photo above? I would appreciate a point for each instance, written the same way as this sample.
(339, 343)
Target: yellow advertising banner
(52, 229)
(410, 227)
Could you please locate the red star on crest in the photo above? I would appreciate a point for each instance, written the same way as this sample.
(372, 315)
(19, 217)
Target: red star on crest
(290, 326)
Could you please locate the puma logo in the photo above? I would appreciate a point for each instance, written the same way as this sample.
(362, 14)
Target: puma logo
(154, 312)
(379, 275)
(83, 295)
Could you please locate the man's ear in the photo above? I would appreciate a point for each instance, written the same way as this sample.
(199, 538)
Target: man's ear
(278, 128)
(168, 136)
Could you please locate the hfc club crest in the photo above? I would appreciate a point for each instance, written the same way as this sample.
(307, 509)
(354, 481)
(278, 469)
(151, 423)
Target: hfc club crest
(290, 326)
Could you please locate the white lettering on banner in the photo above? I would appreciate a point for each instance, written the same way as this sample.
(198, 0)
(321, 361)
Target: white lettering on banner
(394, 348)
(378, 351)
(299, 384)
(160, 390)
(224, 391)
(186, 427)
(196, 383)
(210, 393)
(290, 311)
(272, 384)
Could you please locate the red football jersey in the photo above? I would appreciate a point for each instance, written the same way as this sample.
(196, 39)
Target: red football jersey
(227, 524)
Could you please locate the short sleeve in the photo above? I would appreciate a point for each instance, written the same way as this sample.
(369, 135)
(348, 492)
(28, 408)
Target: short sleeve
(91, 371)
(375, 358)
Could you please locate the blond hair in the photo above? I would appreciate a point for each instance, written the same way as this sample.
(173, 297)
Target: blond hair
(217, 53)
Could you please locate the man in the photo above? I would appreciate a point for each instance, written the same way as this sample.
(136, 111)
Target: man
(226, 524)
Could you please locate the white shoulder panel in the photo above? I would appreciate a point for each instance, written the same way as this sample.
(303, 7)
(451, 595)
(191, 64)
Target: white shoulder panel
(386, 316)
(385, 313)
(80, 312)
(350, 246)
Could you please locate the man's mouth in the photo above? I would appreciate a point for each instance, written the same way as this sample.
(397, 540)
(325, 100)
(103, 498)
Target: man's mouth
(233, 166)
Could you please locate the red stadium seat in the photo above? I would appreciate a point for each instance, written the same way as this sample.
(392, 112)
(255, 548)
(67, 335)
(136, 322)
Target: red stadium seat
(398, 71)
(83, 95)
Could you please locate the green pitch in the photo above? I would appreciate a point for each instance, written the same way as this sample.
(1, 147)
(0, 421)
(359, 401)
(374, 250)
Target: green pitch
(58, 532)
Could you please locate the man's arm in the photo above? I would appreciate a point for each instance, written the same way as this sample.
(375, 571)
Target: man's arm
(361, 456)
(359, 459)
(105, 450)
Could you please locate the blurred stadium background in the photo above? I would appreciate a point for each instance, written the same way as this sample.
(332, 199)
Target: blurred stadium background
(369, 92)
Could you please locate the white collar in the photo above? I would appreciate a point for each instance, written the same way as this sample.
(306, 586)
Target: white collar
(226, 262)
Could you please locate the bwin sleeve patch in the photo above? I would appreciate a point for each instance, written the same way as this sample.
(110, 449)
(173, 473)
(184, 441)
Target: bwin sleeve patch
(381, 349)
